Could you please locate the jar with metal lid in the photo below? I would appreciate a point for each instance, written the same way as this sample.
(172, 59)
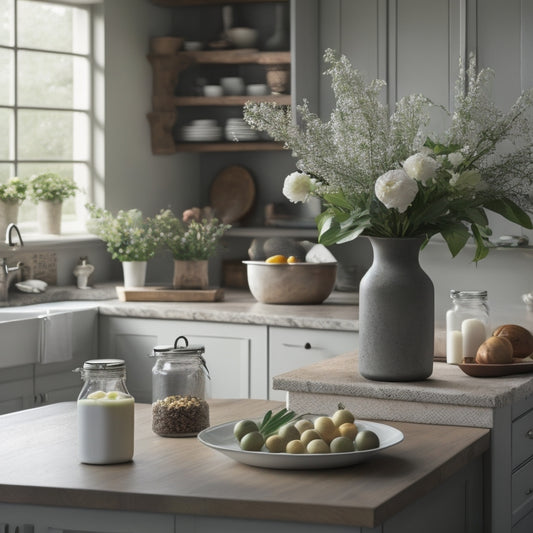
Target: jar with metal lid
(179, 408)
(467, 325)
(105, 411)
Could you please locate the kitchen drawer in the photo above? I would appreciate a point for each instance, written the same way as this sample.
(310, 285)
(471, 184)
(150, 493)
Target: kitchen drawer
(522, 439)
(525, 525)
(292, 348)
(522, 489)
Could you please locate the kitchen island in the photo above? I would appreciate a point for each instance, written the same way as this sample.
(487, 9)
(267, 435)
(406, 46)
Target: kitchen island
(180, 485)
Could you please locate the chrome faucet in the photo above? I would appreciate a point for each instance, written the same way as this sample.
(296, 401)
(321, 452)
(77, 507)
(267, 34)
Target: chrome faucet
(10, 273)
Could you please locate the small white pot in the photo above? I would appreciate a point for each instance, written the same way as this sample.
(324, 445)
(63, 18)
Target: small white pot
(134, 273)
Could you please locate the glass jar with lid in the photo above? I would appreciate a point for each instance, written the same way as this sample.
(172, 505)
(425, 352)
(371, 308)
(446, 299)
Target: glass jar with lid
(105, 411)
(467, 325)
(179, 407)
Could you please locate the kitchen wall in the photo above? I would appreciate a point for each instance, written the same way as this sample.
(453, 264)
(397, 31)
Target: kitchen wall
(412, 43)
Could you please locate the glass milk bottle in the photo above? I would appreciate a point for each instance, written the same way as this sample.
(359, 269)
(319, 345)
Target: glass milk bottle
(105, 413)
(179, 408)
(467, 325)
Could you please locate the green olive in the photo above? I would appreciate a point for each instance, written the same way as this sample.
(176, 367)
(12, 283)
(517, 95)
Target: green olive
(366, 440)
(342, 445)
(275, 444)
(317, 446)
(252, 442)
(244, 427)
(289, 432)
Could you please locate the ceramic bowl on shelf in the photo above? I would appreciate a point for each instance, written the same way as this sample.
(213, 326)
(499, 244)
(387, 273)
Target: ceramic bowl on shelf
(290, 283)
(242, 37)
(213, 90)
(232, 85)
(193, 46)
(257, 89)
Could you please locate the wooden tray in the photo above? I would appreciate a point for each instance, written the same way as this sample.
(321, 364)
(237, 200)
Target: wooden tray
(494, 370)
(166, 294)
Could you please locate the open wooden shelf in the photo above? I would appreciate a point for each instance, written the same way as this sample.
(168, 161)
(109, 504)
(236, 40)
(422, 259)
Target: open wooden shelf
(183, 101)
(240, 146)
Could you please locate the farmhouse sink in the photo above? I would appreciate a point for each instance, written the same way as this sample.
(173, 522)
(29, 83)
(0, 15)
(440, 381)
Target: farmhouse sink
(20, 330)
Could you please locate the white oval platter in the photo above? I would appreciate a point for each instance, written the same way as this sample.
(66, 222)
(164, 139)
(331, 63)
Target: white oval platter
(221, 439)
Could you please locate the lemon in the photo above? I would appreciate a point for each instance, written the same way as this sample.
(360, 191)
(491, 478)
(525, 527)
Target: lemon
(295, 446)
(342, 416)
(327, 429)
(348, 430)
(276, 259)
(292, 259)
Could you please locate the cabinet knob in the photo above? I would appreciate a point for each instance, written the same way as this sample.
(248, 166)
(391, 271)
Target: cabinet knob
(528, 492)
(307, 345)
(529, 434)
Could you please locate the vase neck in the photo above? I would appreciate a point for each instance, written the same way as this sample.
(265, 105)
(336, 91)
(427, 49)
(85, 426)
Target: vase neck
(396, 249)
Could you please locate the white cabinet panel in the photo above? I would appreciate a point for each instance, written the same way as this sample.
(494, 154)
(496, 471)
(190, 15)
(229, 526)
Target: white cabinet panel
(236, 354)
(290, 349)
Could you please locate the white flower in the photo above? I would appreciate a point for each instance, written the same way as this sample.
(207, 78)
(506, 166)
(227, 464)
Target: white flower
(420, 167)
(455, 159)
(395, 189)
(297, 187)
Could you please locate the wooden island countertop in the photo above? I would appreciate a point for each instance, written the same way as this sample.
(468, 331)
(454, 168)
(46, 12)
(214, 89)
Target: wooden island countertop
(38, 466)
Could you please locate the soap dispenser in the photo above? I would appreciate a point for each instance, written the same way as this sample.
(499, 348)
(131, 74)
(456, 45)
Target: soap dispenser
(82, 271)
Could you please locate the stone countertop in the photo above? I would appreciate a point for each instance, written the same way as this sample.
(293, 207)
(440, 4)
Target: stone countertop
(447, 385)
(338, 312)
(181, 476)
(449, 396)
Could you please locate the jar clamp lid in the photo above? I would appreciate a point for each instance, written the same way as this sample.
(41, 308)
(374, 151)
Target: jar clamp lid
(175, 350)
(104, 364)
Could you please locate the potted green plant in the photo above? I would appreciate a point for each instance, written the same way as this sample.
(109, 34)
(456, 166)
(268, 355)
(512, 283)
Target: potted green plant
(191, 240)
(48, 191)
(130, 238)
(12, 194)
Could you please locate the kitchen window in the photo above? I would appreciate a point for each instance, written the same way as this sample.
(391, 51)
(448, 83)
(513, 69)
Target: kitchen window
(46, 116)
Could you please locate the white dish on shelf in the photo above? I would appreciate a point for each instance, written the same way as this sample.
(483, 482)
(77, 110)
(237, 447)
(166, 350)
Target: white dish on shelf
(32, 286)
(221, 439)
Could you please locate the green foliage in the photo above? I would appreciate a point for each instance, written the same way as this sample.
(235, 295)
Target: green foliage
(51, 187)
(14, 190)
(129, 236)
(195, 240)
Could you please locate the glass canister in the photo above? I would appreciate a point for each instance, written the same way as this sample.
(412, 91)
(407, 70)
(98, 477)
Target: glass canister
(467, 325)
(179, 408)
(105, 413)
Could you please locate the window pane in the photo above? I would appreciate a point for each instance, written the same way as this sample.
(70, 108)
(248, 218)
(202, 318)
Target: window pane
(7, 134)
(7, 170)
(6, 76)
(52, 134)
(7, 9)
(52, 27)
(53, 80)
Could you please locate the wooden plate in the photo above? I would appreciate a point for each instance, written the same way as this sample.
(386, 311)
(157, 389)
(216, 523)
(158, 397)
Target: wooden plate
(494, 370)
(232, 194)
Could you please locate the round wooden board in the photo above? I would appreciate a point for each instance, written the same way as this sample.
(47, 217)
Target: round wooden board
(232, 194)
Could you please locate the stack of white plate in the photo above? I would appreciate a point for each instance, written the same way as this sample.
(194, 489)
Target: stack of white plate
(202, 130)
(238, 130)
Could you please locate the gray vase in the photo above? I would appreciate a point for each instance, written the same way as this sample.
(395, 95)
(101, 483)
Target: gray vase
(396, 314)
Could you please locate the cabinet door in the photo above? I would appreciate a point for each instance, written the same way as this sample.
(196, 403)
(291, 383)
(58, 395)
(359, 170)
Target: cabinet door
(16, 389)
(235, 354)
(39, 519)
(290, 349)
